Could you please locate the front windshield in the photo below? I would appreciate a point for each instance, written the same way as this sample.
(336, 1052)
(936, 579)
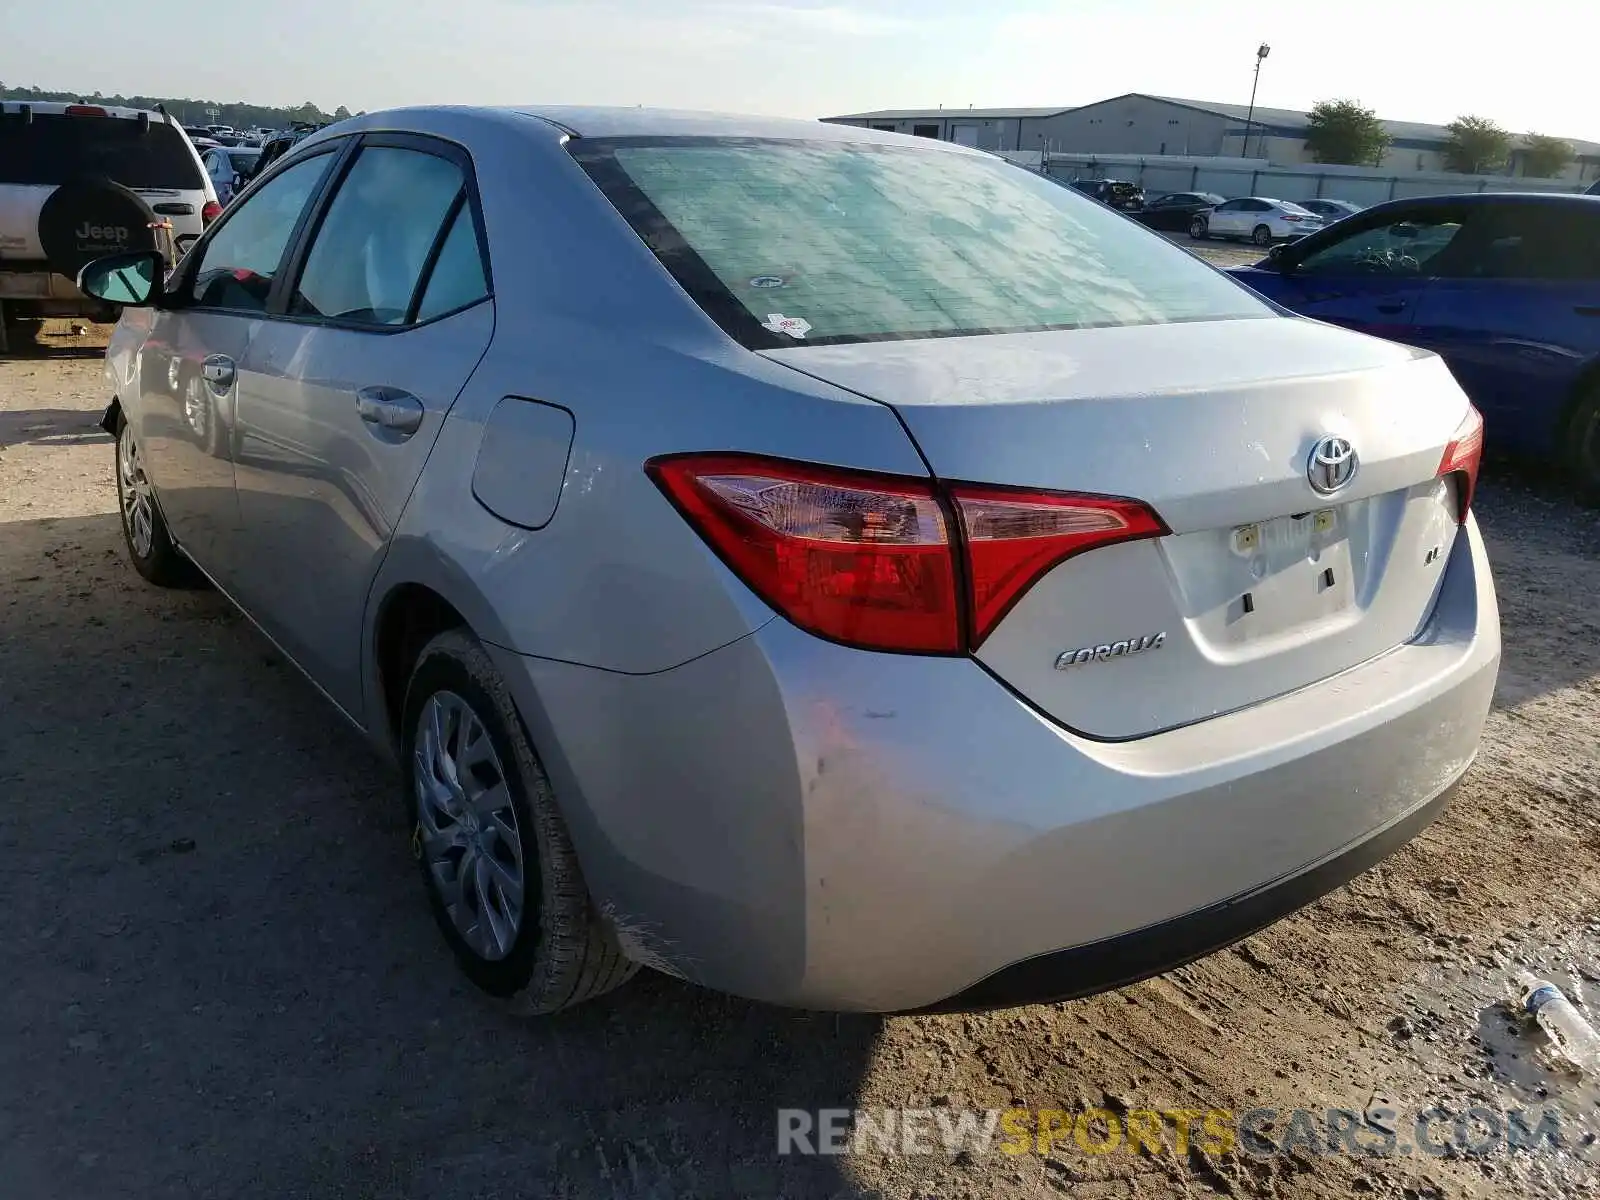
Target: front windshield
(786, 242)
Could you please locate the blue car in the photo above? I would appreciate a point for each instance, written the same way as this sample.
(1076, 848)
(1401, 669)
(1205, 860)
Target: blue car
(1505, 287)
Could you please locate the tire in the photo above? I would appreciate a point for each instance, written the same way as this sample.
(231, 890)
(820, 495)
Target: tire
(554, 950)
(1581, 446)
(144, 529)
(1261, 235)
(1199, 229)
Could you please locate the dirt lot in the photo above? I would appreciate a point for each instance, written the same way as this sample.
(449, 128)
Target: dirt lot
(222, 979)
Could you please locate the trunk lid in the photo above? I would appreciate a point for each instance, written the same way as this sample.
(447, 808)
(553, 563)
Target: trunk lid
(1264, 585)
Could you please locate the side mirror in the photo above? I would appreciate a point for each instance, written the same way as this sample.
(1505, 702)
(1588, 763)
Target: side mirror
(1278, 259)
(132, 279)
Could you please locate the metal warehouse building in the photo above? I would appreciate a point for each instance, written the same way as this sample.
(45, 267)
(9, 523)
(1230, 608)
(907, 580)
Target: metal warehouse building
(1156, 125)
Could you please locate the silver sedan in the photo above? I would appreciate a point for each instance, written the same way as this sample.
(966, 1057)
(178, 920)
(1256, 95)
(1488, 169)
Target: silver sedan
(836, 568)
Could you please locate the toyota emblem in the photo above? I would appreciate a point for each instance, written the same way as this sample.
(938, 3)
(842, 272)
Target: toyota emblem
(1332, 464)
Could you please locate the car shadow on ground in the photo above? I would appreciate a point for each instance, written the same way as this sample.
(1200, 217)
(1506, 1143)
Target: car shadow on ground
(61, 426)
(223, 979)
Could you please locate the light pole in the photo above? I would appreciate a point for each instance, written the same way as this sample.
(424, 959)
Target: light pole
(1261, 56)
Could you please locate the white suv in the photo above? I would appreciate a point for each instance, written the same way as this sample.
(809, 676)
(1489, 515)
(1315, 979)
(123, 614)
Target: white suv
(124, 168)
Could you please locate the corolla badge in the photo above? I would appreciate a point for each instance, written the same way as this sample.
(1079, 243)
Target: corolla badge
(1332, 464)
(1068, 659)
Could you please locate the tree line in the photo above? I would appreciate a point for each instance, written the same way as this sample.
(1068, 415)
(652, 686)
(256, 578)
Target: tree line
(1344, 131)
(235, 113)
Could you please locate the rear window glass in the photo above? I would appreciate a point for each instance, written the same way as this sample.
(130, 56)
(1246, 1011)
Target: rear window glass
(53, 148)
(788, 242)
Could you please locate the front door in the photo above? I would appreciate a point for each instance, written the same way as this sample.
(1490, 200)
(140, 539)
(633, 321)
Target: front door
(189, 368)
(1370, 276)
(386, 319)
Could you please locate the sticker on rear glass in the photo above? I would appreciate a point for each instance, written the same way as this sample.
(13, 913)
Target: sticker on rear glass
(768, 281)
(795, 327)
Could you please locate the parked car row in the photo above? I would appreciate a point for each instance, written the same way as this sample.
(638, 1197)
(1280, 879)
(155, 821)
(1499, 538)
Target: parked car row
(1260, 219)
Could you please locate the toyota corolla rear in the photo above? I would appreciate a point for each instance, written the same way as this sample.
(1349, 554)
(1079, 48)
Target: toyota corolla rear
(1182, 620)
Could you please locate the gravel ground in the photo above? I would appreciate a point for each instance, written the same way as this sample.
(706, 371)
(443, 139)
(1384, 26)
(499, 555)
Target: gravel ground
(223, 979)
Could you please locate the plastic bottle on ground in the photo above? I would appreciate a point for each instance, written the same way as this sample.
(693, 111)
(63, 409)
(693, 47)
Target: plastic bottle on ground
(1573, 1036)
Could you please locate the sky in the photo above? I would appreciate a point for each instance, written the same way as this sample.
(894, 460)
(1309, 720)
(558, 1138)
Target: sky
(1528, 66)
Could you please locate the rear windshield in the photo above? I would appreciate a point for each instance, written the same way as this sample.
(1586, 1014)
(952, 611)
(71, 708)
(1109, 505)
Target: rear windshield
(53, 148)
(787, 242)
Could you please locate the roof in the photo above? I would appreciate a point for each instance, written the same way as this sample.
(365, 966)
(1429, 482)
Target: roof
(54, 108)
(631, 122)
(912, 114)
(1293, 118)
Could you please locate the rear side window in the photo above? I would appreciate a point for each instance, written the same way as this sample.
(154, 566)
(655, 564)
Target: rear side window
(788, 242)
(457, 279)
(54, 148)
(376, 238)
(1536, 242)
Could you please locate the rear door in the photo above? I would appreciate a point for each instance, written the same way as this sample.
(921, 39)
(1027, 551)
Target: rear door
(1227, 218)
(1367, 275)
(1515, 311)
(377, 327)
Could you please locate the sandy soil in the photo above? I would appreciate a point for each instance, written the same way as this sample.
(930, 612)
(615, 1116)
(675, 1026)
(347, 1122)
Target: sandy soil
(222, 979)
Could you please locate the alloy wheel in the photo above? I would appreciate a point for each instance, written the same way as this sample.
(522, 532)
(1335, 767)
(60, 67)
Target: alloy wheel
(467, 831)
(138, 506)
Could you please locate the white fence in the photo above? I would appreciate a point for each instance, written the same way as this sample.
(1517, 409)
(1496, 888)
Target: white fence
(1255, 177)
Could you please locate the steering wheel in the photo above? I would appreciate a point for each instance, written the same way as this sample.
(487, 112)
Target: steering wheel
(1375, 262)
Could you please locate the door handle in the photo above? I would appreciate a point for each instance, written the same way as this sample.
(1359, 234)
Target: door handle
(390, 409)
(1392, 307)
(1587, 310)
(219, 371)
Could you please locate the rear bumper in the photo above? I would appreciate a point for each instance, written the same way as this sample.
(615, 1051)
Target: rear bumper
(1130, 957)
(810, 825)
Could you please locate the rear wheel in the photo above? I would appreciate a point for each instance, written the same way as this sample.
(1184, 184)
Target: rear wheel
(144, 529)
(501, 874)
(1262, 236)
(1199, 228)
(1582, 446)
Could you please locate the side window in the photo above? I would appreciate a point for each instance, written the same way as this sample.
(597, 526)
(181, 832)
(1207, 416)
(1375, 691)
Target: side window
(1405, 247)
(457, 277)
(1256, 206)
(1535, 244)
(374, 242)
(237, 265)
(1231, 206)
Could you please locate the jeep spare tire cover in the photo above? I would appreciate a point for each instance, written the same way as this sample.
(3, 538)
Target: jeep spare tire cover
(86, 219)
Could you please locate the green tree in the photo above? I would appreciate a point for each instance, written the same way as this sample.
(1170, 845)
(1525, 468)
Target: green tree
(1342, 131)
(1476, 146)
(1545, 157)
(341, 113)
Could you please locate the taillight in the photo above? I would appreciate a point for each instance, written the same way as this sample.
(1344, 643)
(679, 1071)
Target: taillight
(1462, 457)
(1013, 537)
(886, 562)
(210, 213)
(84, 110)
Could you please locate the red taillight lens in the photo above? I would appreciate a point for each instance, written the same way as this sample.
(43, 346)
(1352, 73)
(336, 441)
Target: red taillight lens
(210, 212)
(860, 559)
(871, 560)
(1462, 457)
(1012, 538)
(84, 110)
